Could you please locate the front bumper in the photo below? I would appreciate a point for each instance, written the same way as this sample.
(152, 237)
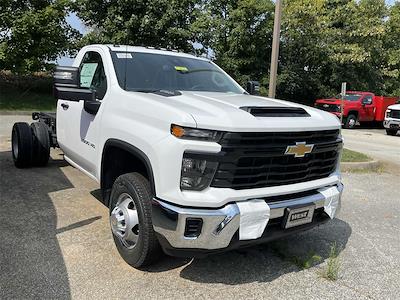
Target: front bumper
(391, 123)
(220, 227)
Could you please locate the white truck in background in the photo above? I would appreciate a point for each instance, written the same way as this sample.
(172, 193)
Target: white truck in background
(392, 119)
(189, 163)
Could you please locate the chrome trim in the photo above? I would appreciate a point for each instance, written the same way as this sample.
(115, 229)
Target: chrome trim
(219, 225)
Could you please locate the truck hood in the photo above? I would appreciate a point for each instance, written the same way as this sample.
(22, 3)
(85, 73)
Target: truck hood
(394, 106)
(221, 111)
(329, 101)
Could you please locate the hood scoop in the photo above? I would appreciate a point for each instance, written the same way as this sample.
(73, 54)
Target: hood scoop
(270, 112)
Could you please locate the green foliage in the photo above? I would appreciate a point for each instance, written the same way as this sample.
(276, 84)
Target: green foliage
(26, 92)
(33, 33)
(326, 42)
(331, 271)
(354, 156)
(240, 34)
(157, 23)
(323, 42)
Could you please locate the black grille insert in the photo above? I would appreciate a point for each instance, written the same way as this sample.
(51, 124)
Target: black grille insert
(395, 114)
(276, 111)
(254, 160)
(328, 107)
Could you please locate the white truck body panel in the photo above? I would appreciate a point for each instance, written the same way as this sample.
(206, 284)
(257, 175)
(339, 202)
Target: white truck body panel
(122, 114)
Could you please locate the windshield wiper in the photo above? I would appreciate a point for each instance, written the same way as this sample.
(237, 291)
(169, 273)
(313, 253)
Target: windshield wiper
(162, 92)
(198, 70)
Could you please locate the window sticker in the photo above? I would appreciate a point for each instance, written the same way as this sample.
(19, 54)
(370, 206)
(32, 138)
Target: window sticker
(124, 55)
(87, 73)
(181, 69)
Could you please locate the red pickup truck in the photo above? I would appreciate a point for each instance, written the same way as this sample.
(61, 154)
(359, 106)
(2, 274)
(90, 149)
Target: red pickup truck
(357, 107)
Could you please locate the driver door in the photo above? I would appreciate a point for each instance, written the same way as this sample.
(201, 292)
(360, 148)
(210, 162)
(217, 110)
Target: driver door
(367, 112)
(78, 130)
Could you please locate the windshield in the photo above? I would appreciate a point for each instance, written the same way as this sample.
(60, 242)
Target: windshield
(349, 97)
(147, 72)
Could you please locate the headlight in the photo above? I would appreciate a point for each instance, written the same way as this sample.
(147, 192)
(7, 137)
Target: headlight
(196, 174)
(195, 134)
(388, 113)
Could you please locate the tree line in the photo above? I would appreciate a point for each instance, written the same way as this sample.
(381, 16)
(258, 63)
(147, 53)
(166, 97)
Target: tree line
(323, 42)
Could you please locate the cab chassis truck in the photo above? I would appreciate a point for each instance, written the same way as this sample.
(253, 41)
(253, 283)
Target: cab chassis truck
(189, 162)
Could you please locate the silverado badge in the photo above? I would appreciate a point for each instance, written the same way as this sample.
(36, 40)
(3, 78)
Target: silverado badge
(299, 150)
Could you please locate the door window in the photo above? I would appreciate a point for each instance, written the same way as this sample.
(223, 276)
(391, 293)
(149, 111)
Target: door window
(367, 100)
(92, 74)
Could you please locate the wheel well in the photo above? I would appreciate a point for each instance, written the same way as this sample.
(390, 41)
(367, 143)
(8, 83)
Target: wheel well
(353, 112)
(121, 158)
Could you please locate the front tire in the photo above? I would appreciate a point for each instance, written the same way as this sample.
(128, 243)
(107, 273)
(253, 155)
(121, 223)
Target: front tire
(350, 122)
(130, 219)
(391, 131)
(21, 141)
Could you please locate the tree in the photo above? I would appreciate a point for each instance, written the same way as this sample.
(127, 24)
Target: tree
(33, 33)
(392, 69)
(239, 33)
(326, 42)
(158, 23)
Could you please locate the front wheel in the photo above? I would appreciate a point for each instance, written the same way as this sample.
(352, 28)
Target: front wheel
(391, 131)
(350, 122)
(130, 219)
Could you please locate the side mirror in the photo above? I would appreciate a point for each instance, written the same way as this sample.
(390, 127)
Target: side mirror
(66, 85)
(366, 101)
(66, 76)
(253, 87)
(91, 106)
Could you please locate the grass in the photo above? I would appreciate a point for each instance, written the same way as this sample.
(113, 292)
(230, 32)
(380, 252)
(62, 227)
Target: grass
(353, 156)
(19, 100)
(303, 262)
(331, 271)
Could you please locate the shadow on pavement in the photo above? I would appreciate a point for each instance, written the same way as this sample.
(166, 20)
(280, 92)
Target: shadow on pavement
(31, 262)
(262, 263)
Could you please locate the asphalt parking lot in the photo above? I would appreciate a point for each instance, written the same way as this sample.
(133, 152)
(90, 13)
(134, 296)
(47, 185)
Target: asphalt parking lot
(55, 242)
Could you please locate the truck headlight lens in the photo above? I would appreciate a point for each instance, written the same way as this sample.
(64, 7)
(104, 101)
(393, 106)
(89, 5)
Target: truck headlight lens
(195, 134)
(196, 174)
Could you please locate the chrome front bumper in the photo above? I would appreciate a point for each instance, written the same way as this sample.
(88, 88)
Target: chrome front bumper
(391, 123)
(218, 225)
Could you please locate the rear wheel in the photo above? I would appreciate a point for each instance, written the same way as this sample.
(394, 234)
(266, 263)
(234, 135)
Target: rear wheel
(350, 122)
(41, 144)
(130, 219)
(21, 141)
(391, 131)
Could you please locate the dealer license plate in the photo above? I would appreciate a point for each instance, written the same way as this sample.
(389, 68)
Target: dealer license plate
(295, 216)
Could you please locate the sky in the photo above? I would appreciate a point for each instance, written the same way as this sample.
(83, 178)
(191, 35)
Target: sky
(76, 23)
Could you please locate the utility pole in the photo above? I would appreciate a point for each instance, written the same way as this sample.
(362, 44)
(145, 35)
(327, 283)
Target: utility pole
(275, 49)
(343, 94)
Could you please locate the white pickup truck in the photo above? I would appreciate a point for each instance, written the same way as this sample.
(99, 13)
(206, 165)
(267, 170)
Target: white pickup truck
(392, 119)
(189, 163)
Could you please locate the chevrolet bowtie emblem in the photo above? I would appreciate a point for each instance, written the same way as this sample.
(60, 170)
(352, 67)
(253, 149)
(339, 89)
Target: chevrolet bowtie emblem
(299, 150)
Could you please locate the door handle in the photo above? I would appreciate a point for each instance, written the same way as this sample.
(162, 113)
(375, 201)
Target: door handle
(65, 106)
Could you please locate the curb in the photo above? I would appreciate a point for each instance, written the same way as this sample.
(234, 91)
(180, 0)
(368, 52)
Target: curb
(16, 112)
(373, 165)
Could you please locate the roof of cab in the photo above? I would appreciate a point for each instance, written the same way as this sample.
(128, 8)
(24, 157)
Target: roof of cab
(153, 50)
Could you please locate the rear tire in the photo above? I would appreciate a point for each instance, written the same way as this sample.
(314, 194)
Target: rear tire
(391, 131)
(21, 141)
(131, 222)
(41, 144)
(350, 122)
